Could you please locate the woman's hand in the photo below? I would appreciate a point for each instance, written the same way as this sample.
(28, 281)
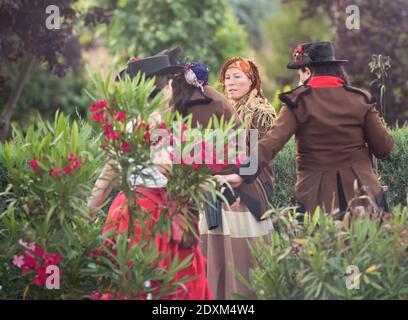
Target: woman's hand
(233, 180)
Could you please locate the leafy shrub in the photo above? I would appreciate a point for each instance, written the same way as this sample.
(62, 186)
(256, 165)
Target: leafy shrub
(322, 259)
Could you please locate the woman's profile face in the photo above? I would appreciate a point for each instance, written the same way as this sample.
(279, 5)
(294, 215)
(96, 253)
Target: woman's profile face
(303, 75)
(236, 83)
(163, 85)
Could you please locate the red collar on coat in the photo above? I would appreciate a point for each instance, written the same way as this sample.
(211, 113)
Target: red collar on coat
(325, 81)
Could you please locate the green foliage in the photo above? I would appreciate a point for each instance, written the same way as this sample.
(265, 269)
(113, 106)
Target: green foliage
(322, 259)
(283, 31)
(46, 93)
(206, 30)
(276, 103)
(285, 175)
(393, 171)
(47, 209)
(249, 13)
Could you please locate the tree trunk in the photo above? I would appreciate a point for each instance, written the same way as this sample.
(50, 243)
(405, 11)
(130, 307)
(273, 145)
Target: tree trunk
(11, 104)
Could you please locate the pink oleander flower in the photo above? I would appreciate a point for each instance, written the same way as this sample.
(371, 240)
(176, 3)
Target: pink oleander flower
(58, 171)
(163, 125)
(28, 246)
(71, 156)
(18, 261)
(184, 127)
(34, 164)
(98, 106)
(120, 116)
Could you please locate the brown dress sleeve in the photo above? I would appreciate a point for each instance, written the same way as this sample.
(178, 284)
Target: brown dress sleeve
(378, 138)
(274, 140)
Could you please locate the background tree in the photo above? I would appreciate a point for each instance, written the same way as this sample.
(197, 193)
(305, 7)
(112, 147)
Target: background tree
(283, 30)
(383, 30)
(25, 41)
(249, 13)
(206, 30)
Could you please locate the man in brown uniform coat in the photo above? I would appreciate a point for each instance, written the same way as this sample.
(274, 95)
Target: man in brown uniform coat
(335, 126)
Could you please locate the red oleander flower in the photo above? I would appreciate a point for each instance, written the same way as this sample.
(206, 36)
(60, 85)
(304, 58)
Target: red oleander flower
(67, 170)
(96, 295)
(38, 251)
(98, 106)
(107, 127)
(125, 147)
(51, 258)
(162, 125)
(106, 296)
(76, 164)
(34, 164)
(98, 117)
(113, 135)
(146, 136)
(120, 116)
(41, 277)
(29, 260)
(25, 268)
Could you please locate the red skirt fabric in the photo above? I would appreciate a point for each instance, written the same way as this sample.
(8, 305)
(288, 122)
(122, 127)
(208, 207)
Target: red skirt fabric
(152, 200)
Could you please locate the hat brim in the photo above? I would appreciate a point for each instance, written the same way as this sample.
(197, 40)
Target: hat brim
(161, 72)
(293, 65)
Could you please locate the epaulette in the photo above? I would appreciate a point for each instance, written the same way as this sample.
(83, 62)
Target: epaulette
(292, 97)
(369, 99)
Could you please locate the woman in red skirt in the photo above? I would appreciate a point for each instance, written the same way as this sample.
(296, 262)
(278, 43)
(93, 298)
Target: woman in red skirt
(152, 198)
